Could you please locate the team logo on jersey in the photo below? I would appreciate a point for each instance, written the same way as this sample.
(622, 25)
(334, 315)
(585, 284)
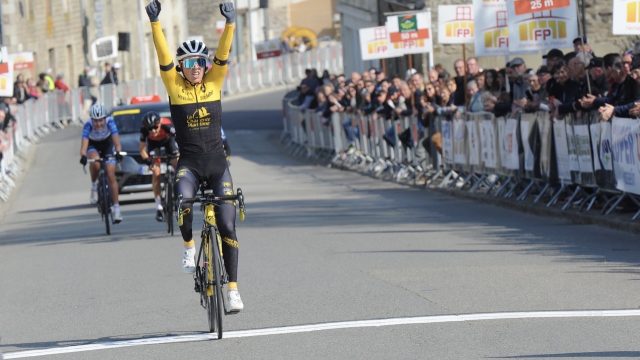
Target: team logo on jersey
(199, 119)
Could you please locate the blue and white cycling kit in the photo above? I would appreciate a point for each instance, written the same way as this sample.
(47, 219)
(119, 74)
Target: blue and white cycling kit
(100, 139)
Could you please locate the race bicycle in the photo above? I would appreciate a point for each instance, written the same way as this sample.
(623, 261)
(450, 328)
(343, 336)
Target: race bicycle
(168, 196)
(211, 275)
(104, 193)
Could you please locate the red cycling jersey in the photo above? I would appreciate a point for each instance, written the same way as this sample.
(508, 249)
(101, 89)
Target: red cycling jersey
(165, 131)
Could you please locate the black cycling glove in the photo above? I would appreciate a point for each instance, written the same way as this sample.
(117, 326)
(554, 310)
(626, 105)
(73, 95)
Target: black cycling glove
(153, 10)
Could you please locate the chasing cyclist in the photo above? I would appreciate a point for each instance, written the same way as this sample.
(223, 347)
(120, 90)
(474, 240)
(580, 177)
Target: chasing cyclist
(194, 97)
(157, 133)
(99, 140)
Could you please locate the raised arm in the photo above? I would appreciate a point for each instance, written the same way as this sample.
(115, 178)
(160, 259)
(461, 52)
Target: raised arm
(219, 67)
(160, 42)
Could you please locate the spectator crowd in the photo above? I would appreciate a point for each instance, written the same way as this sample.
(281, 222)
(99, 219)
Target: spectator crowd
(579, 80)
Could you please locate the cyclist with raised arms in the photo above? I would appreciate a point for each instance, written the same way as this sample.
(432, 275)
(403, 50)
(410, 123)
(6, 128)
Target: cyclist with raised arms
(99, 140)
(194, 98)
(157, 133)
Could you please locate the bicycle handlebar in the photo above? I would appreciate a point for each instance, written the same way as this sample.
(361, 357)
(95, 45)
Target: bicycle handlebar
(209, 198)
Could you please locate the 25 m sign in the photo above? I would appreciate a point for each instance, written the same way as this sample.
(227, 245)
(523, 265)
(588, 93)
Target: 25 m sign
(523, 7)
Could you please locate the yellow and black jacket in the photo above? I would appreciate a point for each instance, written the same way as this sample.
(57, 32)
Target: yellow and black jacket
(196, 111)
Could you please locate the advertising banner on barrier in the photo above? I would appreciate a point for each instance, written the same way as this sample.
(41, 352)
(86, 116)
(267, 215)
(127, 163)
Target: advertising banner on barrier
(571, 147)
(488, 143)
(541, 24)
(473, 142)
(545, 143)
(626, 154)
(509, 142)
(491, 27)
(562, 150)
(375, 44)
(411, 33)
(606, 150)
(595, 130)
(447, 142)
(459, 148)
(626, 17)
(526, 124)
(583, 148)
(455, 24)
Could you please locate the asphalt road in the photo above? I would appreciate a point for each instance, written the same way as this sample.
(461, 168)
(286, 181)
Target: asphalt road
(333, 265)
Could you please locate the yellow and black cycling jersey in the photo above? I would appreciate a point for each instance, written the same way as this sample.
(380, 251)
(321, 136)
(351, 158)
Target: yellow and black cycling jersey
(196, 111)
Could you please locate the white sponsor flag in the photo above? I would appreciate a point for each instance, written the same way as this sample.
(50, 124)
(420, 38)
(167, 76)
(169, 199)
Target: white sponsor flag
(411, 33)
(541, 24)
(375, 44)
(626, 17)
(455, 24)
(491, 27)
(626, 154)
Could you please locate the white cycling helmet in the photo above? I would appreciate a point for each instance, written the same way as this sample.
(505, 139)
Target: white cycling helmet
(192, 48)
(97, 111)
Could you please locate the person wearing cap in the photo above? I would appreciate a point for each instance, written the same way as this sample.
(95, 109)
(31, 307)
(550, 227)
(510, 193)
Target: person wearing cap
(553, 57)
(520, 85)
(596, 76)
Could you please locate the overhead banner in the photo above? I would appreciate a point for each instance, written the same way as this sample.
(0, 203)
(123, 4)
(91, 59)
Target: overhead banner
(455, 24)
(541, 24)
(491, 27)
(375, 44)
(6, 73)
(626, 154)
(411, 33)
(626, 17)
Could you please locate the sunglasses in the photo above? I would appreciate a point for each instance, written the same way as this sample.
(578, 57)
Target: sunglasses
(190, 63)
(99, 119)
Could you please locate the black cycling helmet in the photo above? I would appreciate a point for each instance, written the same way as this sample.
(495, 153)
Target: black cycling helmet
(150, 120)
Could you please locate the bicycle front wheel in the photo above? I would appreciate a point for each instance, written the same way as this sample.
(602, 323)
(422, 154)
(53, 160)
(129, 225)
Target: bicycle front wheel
(209, 288)
(168, 191)
(217, 277)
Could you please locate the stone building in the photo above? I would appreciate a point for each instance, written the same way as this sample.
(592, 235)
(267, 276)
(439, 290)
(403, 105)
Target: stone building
(356, 14)
(60, 32)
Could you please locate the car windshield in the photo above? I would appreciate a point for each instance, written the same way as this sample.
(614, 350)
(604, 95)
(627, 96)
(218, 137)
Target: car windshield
(131, 123)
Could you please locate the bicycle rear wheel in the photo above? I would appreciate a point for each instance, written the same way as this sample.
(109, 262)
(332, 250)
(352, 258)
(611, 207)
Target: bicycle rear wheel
(209, 288)
(105, 198)
(217, 267)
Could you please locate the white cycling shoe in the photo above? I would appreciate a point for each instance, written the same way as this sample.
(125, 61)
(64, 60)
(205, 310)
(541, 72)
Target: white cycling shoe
(189, 260)
(234, 300)
(117, 216)
(93, 198)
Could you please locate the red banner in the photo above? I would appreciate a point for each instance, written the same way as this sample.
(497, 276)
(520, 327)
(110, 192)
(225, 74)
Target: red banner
(532, 6)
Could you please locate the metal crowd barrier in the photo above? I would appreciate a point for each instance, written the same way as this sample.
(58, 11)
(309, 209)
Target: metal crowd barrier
(573, 162)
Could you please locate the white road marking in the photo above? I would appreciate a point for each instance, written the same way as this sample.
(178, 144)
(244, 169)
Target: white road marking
(322, 327)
